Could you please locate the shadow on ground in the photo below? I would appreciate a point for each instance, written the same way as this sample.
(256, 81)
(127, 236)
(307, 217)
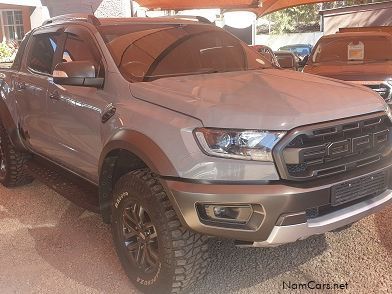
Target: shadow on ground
(79, 245)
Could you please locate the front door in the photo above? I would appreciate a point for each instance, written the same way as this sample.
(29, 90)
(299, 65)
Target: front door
(75, 111)
(32, 87)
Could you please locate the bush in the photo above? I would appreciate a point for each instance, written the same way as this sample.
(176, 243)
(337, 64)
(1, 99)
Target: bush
(7, 52)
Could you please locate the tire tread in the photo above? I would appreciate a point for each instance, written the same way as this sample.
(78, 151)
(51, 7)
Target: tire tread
(17, 174)
(189, 249)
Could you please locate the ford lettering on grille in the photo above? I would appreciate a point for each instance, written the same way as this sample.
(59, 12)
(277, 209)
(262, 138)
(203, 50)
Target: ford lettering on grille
(319, 152)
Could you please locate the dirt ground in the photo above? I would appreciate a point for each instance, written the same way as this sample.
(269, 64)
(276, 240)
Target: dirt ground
(49, 245)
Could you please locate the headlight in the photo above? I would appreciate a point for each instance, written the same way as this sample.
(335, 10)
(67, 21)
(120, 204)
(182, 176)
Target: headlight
(238, 144)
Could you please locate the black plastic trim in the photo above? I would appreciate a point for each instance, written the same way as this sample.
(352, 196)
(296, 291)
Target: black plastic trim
(292, 219)
(282, 144)
(143, 147)
(80, 81)
(217, 182)
(10, 126)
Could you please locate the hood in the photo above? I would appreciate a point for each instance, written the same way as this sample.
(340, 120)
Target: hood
(371, 71)
(266, 99)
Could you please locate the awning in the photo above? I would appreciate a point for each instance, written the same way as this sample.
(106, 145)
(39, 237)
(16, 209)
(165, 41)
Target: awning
(260, 7)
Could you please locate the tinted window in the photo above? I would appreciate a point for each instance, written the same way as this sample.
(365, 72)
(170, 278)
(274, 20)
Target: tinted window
(150, 51)
(213, 51)
(42, 52)
(371, 48)
(80, 48)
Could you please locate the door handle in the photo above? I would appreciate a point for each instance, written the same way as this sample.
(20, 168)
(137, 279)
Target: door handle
(54, 95)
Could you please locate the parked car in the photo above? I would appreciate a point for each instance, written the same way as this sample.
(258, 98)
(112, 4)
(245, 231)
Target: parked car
(287, 59)
(301, 49)
(185, 133)
(360, 57)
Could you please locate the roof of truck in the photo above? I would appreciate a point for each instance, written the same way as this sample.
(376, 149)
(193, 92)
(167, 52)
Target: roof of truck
(357, 34)
(387, 29)
(177, 19)
(108, 21)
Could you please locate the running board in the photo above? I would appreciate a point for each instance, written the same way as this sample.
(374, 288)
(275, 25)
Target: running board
(75, 189)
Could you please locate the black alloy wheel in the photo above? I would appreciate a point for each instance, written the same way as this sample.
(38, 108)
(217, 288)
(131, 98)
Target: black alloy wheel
(140, 238)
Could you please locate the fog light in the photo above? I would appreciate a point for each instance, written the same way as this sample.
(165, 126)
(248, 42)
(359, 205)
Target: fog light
(237, 214)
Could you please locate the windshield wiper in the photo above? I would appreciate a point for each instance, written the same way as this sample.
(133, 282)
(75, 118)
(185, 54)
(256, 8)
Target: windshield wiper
(205, 71)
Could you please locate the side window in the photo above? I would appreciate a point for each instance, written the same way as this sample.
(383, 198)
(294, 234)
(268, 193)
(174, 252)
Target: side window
(78, 48)
(42, 52)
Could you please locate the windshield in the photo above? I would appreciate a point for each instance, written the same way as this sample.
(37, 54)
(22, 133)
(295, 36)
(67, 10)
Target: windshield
(353, 49)
(300, 50)
(145, 52)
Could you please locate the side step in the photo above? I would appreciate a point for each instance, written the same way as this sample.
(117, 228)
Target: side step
(75, 189)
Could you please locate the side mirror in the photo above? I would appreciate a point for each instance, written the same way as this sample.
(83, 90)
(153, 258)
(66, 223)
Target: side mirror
(286, 61)
(77, 73)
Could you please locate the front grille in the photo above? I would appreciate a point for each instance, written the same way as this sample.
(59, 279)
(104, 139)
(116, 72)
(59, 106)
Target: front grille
(327, 149)
(362, 189)
(383, 90)
(370, 185)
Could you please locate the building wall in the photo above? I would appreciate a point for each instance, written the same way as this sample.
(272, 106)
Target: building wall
(26, 11)
(37, 11)
(277, 41)
(378, 14)
(101, 8)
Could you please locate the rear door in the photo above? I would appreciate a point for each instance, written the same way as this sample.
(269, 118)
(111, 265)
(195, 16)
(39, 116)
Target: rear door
(75, 112)
(32, 84)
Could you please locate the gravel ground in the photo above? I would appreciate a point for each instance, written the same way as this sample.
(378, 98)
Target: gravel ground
(49, 245)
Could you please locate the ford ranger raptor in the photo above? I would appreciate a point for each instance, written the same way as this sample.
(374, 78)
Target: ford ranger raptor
(185, 134)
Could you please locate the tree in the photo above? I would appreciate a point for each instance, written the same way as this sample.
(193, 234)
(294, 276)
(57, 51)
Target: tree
(295, 19)
(304, 18)
(338, 4)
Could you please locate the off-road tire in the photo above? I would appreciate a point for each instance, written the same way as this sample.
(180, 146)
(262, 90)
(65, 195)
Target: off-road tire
(13, 172)
(183, 254)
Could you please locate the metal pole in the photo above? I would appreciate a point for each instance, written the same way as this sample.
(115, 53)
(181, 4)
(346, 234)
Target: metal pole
(131, 8)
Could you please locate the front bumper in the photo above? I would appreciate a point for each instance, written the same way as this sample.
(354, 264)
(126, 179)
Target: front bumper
(284, 208)
(326, 223)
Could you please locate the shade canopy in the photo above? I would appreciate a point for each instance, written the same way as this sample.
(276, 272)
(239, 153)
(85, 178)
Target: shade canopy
(260, 7)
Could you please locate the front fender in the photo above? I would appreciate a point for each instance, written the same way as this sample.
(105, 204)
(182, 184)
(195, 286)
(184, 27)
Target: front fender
(141, 146)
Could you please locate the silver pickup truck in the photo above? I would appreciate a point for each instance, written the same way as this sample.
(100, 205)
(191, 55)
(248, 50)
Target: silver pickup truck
(181, 132)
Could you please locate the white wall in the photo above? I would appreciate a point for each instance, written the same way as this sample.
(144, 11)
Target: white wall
(277, 41)
(22, 2)
(39, 15)
(101, 8)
